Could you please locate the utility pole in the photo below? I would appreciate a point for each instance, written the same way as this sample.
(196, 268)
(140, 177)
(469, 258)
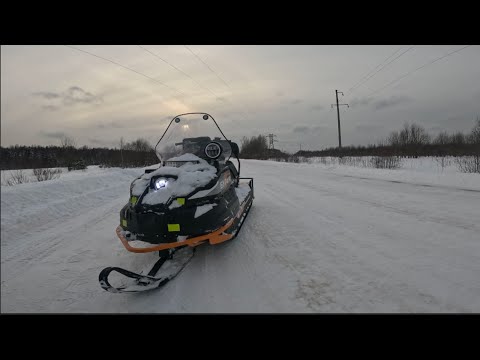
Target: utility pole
(338, 116)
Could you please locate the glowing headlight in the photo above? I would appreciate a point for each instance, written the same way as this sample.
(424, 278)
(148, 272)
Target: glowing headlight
(160, 183)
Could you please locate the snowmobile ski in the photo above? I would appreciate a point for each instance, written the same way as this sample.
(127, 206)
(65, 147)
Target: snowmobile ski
(150, 281)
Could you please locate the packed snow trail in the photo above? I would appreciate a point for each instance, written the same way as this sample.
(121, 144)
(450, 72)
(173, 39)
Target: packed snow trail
(316, 240)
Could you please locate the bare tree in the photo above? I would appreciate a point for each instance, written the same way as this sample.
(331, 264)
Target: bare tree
(394, 138)
(67, 142)
(474, 137)
(122, 144)
(139, 145)
(254, 148)
(442, 139)
(458, 138)
(409, 135)
(418, 135)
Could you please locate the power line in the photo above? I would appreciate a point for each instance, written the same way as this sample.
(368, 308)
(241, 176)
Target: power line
(383, 67)
(424, 65)
(176, 68)
(363, 77)
(184, 73)
(207, 66)
(203, 62)
(125, 67)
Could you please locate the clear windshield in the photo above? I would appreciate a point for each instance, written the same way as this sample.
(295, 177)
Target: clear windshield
(193, 134)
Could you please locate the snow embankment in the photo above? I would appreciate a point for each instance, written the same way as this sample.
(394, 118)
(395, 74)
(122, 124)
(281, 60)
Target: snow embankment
(31, 207)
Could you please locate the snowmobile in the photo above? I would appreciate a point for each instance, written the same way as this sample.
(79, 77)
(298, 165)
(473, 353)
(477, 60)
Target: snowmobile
(195, 196)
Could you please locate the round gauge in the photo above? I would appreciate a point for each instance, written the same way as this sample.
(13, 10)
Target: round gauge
(213, 150)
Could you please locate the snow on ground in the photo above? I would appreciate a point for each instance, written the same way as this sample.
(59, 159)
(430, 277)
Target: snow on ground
(421, 171)
(317, 239)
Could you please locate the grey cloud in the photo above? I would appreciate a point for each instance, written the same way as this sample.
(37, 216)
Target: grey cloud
(100, 142)
(301, 129)
(296, 101)
(47, 95)
(309, 129)
(367, 128)
(394, 100)
(279, 93)
(50, 107)
(361, 102)
(111, 124)
(316, 107)
(76, 95)
(55, 135)
(73, 95)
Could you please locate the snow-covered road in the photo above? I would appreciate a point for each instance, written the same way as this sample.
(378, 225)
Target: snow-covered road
(316, 240)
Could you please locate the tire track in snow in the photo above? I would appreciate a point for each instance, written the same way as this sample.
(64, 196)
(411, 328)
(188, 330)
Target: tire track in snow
(445, 187)
(54, 213)
(419, 215)
(57, 238)
(352, 254)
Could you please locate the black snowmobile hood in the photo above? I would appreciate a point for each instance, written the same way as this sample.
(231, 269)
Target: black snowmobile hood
(175, 182)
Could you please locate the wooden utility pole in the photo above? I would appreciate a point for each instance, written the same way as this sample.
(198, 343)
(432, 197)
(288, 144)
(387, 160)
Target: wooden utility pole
(338, 116)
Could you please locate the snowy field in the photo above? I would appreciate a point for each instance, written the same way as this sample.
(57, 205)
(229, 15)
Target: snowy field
(319, 238)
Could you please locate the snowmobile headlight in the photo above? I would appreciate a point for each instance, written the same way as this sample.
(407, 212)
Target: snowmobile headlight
(213, 150)
(160, 183)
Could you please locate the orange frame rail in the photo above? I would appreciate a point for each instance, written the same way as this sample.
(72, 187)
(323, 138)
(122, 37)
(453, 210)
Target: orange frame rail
(214, 237)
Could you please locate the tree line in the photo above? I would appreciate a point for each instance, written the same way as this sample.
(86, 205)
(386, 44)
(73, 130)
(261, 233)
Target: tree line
(411, 141)
(137, 153)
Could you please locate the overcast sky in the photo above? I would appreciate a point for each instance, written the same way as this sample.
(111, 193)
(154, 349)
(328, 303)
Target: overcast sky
(49, 91)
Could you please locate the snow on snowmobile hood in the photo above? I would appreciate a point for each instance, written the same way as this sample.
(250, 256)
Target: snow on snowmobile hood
(189, 177)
